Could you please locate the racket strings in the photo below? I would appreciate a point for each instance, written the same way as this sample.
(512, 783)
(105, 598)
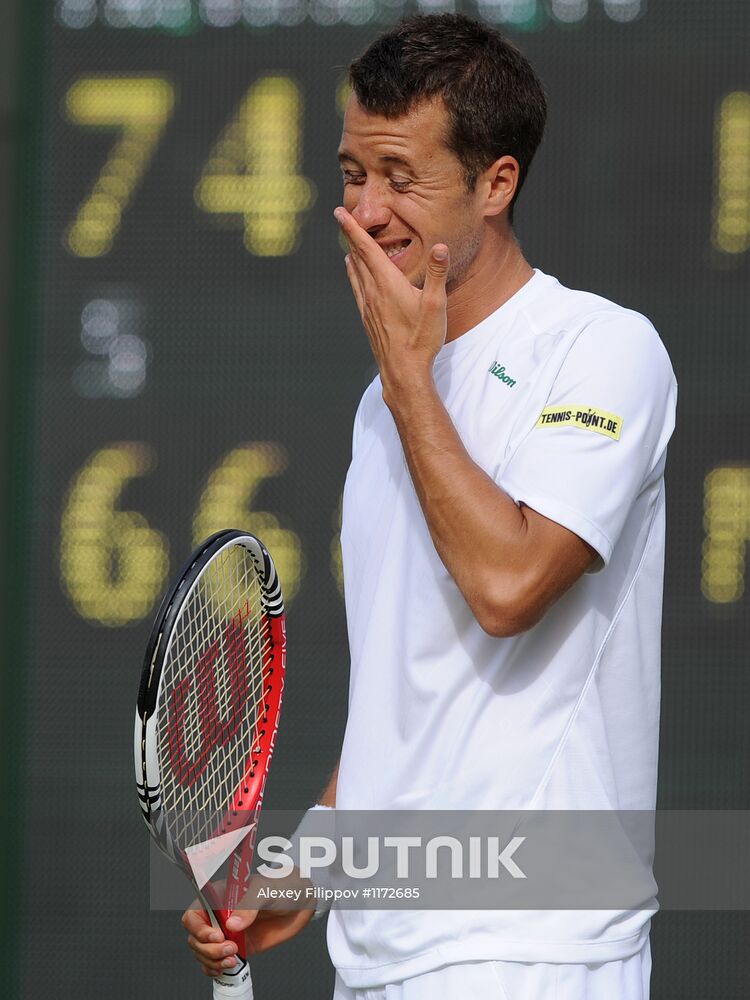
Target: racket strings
(214, 695)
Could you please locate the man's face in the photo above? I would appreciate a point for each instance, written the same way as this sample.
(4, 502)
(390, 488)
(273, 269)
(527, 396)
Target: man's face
(407, 189)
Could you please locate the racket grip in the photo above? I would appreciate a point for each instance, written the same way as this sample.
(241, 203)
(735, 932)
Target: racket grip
(236, 984)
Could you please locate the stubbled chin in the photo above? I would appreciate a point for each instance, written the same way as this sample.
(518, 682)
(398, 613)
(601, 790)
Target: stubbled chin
(417, 280)
(416, 276)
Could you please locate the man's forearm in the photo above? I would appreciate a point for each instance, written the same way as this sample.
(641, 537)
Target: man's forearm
(486, 541)
(477, 529)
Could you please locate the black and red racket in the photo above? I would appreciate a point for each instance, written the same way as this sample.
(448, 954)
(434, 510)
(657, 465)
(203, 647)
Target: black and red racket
(206, 720)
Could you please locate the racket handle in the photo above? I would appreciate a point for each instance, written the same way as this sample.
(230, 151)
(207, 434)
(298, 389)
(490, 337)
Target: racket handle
(236, 984)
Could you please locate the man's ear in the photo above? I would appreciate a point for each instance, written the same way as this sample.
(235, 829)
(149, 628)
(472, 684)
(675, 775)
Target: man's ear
(500, 181)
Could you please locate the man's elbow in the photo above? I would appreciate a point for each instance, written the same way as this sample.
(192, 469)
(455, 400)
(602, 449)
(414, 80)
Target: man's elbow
(510, 612)
(513, 598)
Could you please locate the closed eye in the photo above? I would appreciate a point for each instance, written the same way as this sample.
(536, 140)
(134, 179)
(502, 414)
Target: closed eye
(356, 177)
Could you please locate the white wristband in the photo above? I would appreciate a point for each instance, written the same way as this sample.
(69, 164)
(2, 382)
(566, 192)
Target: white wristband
(306, 826)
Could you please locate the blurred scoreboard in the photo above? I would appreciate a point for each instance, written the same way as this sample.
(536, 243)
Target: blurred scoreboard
(189, 358)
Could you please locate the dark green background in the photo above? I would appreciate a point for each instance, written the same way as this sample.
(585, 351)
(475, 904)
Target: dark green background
(618, 202)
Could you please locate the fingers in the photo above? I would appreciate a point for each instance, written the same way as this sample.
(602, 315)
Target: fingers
(400, 319)
(196, 922)
(214, 958)
(365, 254)
(354, 281)
(437, 273)
(241, 920)
(214, 953)
(210, 947)
(360, 242)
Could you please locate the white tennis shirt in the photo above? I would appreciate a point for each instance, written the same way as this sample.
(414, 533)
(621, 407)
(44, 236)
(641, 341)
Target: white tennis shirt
(567, 401)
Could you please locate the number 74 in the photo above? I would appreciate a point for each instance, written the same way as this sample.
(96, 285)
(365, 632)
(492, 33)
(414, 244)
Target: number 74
(253, 171)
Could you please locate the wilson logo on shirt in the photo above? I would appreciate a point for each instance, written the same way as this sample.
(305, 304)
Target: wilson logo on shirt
(587, 418)
(498, 371)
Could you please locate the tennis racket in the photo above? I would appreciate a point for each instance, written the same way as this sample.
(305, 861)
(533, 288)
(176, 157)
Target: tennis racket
(205, 725)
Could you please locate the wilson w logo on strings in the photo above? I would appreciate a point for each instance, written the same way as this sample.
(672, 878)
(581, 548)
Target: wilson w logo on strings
(206, 723)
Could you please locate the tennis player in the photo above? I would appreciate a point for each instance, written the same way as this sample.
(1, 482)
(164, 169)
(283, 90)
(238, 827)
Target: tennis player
(503, 527)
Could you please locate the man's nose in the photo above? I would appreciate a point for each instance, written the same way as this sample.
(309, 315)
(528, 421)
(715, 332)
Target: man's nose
(372, 210)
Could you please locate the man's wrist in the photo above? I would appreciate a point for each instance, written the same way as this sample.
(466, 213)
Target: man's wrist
(407, 389)
(310, 824)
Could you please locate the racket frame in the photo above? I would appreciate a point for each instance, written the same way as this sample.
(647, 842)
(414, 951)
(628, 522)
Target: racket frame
(247, 798)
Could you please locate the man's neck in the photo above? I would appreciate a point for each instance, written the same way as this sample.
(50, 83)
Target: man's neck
(495, 276)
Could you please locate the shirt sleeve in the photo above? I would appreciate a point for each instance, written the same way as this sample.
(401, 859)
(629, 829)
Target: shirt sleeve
(603, 432)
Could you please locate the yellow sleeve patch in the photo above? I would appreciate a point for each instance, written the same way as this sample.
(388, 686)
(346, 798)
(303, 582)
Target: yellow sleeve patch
(585, 417)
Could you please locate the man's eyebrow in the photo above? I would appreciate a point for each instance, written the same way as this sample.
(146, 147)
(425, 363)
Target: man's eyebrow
(398, 161)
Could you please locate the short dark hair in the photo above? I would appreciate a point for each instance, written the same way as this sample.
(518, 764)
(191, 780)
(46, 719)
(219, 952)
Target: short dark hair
(495, 101)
